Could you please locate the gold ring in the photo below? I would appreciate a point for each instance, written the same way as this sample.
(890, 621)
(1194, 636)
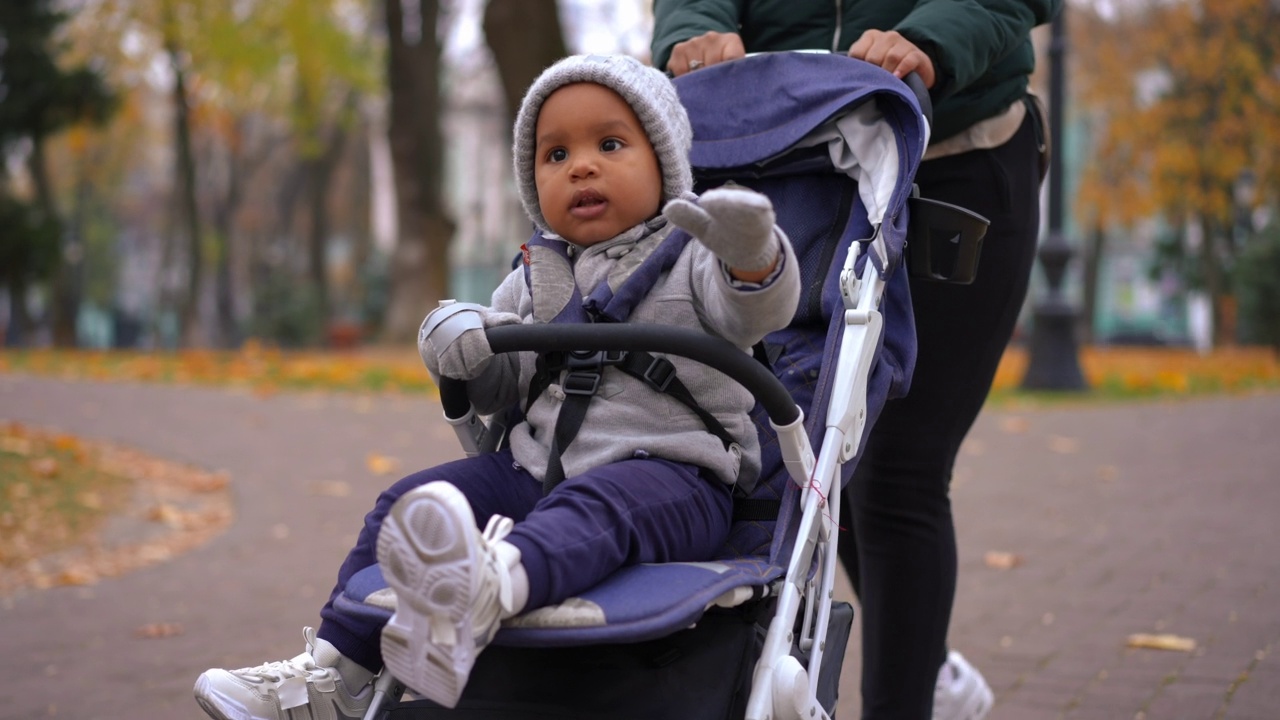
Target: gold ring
(694, 65)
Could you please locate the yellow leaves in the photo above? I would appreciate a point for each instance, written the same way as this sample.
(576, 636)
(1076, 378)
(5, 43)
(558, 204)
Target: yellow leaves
(264, 371)
(151, 631)
(1161, 642)
(56, 494)
(1137, 372)
(1001, 560)
(331, 488)
(1181, 88)
(45, 467)
(381, 464)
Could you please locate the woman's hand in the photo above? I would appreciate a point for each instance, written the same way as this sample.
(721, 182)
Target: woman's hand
(894, 53)
(706, 49)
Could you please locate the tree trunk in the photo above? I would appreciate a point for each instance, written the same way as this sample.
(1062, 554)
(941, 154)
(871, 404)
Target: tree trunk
(186, 170)
(1095, 246)
(66, 283)
(524, 37)
(18, 332)
(319, 177)
(420, 262)
(224, 292)
(1214, 284)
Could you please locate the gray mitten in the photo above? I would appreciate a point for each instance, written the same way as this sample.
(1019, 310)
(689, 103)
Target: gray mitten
(734, 223)
(452, 341)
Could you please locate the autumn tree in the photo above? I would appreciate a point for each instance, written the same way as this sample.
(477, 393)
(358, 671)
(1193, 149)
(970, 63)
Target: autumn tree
(1187, 99)
(38, 98)
(524, 37)
(419, 264)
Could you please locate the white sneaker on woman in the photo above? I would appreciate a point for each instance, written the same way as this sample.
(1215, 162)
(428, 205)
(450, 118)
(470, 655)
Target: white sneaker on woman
(961, 693)
(453, 587)
(319, 684)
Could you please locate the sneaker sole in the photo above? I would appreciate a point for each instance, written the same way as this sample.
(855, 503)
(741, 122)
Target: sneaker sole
(425, 557)
(205, 694)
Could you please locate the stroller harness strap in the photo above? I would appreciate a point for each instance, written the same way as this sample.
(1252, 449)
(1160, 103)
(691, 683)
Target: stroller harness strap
(583, 371)
(548, 267)
(612, 300)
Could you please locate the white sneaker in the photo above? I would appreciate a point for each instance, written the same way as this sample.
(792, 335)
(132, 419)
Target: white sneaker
(961, 692)
(311, 686)
(453, 587)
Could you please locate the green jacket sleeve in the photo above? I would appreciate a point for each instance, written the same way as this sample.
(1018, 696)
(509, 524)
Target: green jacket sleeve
(675, 21)
(965, 38)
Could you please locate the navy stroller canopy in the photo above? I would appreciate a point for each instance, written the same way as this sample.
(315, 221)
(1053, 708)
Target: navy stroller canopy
(798, 112)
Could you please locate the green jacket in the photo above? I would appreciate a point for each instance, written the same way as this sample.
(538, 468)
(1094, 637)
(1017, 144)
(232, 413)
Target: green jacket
(981, 49)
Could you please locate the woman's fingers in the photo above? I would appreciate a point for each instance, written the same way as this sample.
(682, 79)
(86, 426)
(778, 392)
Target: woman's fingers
(706, 49)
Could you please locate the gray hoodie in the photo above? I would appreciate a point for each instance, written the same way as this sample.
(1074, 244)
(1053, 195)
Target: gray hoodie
(626, 418)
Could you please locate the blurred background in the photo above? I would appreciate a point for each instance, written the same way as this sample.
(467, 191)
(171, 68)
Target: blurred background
(318, 173)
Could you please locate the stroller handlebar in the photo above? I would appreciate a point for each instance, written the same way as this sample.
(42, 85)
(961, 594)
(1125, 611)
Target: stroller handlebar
(709, 350)
(914, 82)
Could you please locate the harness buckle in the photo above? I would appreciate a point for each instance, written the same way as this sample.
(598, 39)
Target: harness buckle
(659, 374)
(593, 360)
(581, 382)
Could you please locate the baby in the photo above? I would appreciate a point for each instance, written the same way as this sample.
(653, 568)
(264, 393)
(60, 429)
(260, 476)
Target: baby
(601, 159)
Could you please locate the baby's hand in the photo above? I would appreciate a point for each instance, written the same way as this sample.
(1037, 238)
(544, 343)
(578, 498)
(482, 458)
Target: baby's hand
(734, 223)
(457, 347)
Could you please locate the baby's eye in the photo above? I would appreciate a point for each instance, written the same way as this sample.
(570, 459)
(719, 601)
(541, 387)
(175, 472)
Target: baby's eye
(558, 155)
(610, 145)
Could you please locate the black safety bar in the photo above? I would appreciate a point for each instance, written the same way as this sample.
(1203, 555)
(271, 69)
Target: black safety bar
(714, 352)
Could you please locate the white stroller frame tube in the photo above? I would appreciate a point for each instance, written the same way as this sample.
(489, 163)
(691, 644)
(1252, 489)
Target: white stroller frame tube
(781, 688)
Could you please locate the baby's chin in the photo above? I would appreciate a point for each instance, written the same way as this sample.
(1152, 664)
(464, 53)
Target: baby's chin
(588, 236)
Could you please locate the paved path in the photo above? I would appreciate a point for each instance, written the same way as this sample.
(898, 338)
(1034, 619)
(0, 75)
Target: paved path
(1155, 518)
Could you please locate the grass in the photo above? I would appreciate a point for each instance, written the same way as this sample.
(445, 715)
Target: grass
(260, 369)
(1113, 374)
(51, 494)
(1127, 374)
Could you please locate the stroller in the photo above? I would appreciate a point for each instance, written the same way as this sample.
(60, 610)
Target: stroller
(754, 633)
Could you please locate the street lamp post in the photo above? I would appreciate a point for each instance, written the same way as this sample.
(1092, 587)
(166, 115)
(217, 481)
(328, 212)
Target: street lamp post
(1054, 363)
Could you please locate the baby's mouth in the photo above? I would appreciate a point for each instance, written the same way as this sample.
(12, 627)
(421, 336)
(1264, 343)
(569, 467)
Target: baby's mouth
(587, 204)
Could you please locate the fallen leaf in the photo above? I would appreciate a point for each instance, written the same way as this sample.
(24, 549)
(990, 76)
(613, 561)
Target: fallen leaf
(158, 630)
(15, 445)
(66, 443)
(167, 514)
(1063, 445)
(77, 575)
(1162, 642)
(381, 464)
(1015, 425)
(331, 488)
(45, 467)
(1000, 560)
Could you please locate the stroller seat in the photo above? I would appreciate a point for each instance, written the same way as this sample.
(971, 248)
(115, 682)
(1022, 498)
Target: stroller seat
(834, 143)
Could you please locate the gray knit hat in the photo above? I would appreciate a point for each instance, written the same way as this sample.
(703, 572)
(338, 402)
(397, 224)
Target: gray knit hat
(652, 98)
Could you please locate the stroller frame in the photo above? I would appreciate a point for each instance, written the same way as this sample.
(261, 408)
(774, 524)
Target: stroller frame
(782, 685)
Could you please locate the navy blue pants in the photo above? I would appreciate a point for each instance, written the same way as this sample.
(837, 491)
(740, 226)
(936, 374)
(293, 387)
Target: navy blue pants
(635, 511)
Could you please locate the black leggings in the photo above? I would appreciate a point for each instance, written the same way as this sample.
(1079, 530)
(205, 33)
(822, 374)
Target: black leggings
(901, 555)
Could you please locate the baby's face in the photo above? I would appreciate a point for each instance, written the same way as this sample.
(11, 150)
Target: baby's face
(595, 170)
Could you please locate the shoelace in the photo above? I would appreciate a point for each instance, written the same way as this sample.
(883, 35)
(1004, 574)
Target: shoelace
(497, 529)
(301, 666)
